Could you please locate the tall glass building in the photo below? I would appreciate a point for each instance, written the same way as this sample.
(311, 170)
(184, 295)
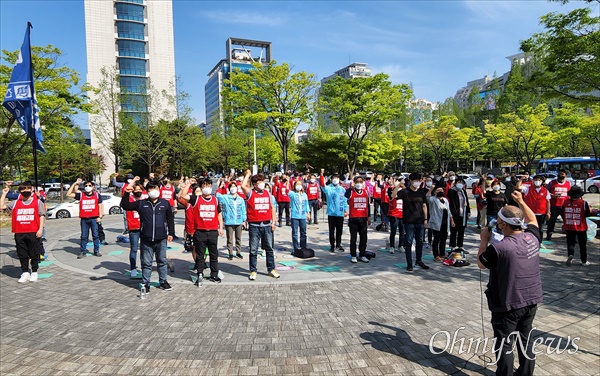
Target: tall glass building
(136, 37)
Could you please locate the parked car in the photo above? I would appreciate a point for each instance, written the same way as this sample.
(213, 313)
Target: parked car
(110, 202)
(593, 184)
(48, 187)
(470, 179)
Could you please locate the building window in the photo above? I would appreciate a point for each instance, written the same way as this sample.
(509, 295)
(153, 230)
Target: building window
(133, 103)
(132, 67)
(131, 1)
(130, 30)
(136, 85)
(131, 48)
(130, 12)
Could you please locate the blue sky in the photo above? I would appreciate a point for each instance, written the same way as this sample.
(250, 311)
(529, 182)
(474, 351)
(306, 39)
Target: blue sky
(436, 45)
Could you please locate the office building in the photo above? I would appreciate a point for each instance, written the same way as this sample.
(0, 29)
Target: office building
(136, 37)
(238, 55)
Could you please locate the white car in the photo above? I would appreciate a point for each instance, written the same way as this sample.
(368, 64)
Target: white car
(592, 184)
(470, 179)
(71, 209)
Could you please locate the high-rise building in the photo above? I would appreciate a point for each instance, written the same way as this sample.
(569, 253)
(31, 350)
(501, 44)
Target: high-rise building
(237, 56)
(136, 37)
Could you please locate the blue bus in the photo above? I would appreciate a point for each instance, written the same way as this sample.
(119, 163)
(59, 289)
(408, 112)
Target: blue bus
(576, 167)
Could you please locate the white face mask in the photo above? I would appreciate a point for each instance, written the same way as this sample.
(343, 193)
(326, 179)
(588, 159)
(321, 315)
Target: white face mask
(460, 186)
(206, 191)
(260, 186)
(88, 189)
(416, 184)
(129, 181)
(358, 186)
(496, 187)
(335, 181)
(313, 180)
(298, 188)
(153, 194)
(233, 190)
(428, 184)
(452, 178)
(537, 183)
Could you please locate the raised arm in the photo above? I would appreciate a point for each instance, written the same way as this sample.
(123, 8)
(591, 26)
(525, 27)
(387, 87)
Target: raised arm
(74, 186)
(528, 214)
(246, 183)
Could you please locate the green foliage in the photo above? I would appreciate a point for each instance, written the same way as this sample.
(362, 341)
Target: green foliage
(566, 56)
(323, 150)
(445, 140)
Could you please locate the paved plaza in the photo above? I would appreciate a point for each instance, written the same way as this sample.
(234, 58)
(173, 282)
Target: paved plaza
(324, 316)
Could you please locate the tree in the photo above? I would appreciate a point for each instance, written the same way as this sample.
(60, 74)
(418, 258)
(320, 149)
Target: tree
(521, 136)
(271, 99)
(591, 131)
(361, 106)
(566, 57)
(323, 150)
(58, 98)
(446, 140)
(567, 122)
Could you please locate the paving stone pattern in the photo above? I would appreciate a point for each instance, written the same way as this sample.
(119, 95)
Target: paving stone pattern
(86, 318)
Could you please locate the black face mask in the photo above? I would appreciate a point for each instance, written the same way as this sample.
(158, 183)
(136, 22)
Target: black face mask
(439, 194)
(284, 180)
(137, 194)
(26, 194)
(561, 177)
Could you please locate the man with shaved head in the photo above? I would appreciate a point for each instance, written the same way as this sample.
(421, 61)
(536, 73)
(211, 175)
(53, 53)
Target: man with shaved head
(515, 287)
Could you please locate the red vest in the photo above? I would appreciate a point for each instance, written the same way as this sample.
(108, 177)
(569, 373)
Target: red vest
(88, 205)
(223, 189)
(358, 204)
(384, 196)
(555, 187)
(132, 216)
(168, 194)
(25, 217)
(376, 191)
(574, 214)
(208, 214)
(312, 191)
(283, 192)
(190, 216)
(395, 209)
(537, 200)
(258, 207)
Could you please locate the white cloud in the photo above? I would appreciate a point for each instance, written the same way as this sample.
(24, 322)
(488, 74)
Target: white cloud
(398, 74)
(246, 18)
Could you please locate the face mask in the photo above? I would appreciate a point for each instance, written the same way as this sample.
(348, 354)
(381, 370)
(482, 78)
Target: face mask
(460, 186)
(137, 194)
(260, 186)
(233, 190)
(298, 188)
(26, 194)
(428, 184)
(439, 194)
(206, 191)
(335, 181)
(312, 180)
(358, 186)
(284, 180)
(88, 189)
(496, 187)
(165, 182)
(452, 178)
(416, 184)
(129, 181)
(507, 179)
(537, 183)
(560, 177)
(153, 194)
(431, 176)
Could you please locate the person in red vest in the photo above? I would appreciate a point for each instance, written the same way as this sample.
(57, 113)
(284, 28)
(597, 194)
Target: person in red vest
(90, 213)
(313, 191)
(209, 226)
(191, 188)
(575, 210)
(133, 224)
(359, 218)
(394, 213)
(28, 216)
(537, 198)
(167, 191)
(558, 194)
(282, 190)
(526, 180)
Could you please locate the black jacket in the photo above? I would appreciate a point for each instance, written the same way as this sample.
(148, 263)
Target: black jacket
(156, 219)
(454, 202)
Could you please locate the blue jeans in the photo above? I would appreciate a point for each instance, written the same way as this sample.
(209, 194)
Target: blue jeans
(414, 231)
(301, 223)
(149, 249)
(88, 224)
(314, 208)
(265, 236)
(134, 244)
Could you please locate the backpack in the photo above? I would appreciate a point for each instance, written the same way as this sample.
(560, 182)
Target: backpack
(304, 253)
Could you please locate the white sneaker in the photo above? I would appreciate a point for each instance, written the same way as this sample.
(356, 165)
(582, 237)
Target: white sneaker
(34, 277)
(133, 273)
(353, 260)
(392, 250)
(587, 263)
(401, 249)
(24, 277)
(363, 259)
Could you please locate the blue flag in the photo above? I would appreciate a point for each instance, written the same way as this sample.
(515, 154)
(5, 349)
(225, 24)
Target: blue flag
(20, 95)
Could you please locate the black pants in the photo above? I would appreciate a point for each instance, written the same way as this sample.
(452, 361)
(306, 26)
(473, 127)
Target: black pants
(385, 206)
(314, 208)
(28, 248)
(541, 219)
(581, 238)
(336, 225)
(555, 211)
(284, 206)
(358, 228)
(439, 241)
(457, 233)
(504, 324)
(396, 223)
(376, 211)
(207, 239)
(429, 234)
(101, 234)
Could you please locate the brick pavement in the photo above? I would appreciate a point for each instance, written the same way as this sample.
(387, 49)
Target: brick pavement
(356, 319)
